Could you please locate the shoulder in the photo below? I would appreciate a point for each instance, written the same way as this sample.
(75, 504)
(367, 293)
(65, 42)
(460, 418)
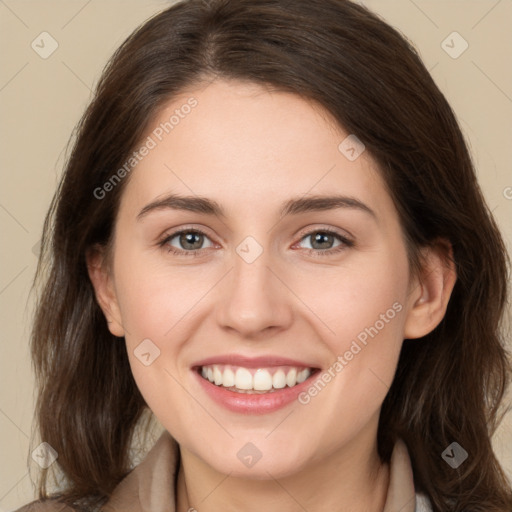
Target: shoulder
(51, 505)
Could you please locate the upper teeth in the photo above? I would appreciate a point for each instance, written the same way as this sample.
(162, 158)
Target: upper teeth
(260, 379)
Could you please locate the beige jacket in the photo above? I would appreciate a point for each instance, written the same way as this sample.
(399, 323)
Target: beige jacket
(150, 486)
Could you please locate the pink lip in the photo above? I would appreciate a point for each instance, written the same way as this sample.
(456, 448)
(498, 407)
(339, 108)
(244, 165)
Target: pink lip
(252, 362)
(253, 404)
(245, 403)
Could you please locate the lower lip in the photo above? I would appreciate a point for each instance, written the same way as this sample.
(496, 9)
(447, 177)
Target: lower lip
(246, 403)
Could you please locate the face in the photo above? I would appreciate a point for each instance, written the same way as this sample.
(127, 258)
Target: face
(281, 274)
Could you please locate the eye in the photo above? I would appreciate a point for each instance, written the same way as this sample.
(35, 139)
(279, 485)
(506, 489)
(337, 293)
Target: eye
(186, 241)
(322, 242)
(190, 242)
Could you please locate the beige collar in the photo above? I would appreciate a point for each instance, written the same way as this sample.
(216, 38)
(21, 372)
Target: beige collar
(150, 486)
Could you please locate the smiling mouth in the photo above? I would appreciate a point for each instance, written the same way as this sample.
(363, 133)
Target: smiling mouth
(255, 380)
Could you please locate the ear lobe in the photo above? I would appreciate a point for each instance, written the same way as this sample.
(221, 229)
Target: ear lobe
(429, 300)
(101, 280)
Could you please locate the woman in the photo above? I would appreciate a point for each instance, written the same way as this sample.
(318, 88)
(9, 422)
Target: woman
(270, 236)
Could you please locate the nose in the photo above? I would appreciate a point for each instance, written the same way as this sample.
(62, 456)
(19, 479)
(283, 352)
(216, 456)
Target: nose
(254, 299)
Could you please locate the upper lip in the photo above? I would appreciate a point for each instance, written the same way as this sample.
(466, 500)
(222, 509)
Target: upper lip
(266, 361)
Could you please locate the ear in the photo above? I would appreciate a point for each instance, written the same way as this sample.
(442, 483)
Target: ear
(102, 282)
(431, 290)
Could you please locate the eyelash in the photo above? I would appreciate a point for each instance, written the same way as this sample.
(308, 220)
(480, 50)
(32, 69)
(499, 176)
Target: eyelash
(345, 243)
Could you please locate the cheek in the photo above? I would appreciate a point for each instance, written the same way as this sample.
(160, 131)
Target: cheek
(158, 306)
(155, 315)
(351, 300)
(153, 299)
(362, 312)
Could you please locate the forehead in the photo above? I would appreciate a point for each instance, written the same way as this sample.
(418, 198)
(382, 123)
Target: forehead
(246, 146)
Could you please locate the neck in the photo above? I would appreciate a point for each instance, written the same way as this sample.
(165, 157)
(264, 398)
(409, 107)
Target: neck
(351, 479)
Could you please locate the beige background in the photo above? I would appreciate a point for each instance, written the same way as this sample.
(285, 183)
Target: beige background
(42, 99)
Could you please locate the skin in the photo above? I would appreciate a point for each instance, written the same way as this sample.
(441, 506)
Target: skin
(251, 149)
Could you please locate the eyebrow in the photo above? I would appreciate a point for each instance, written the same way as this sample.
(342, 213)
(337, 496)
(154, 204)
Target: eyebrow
(291, 207)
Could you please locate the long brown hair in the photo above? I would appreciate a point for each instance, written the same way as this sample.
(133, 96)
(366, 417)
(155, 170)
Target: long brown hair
(448, 387)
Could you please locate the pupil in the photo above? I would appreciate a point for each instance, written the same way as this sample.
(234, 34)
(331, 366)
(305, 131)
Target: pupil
(187, 241)
(322, 237)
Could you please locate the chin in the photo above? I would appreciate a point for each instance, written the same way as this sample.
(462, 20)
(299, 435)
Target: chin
(265, 468)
